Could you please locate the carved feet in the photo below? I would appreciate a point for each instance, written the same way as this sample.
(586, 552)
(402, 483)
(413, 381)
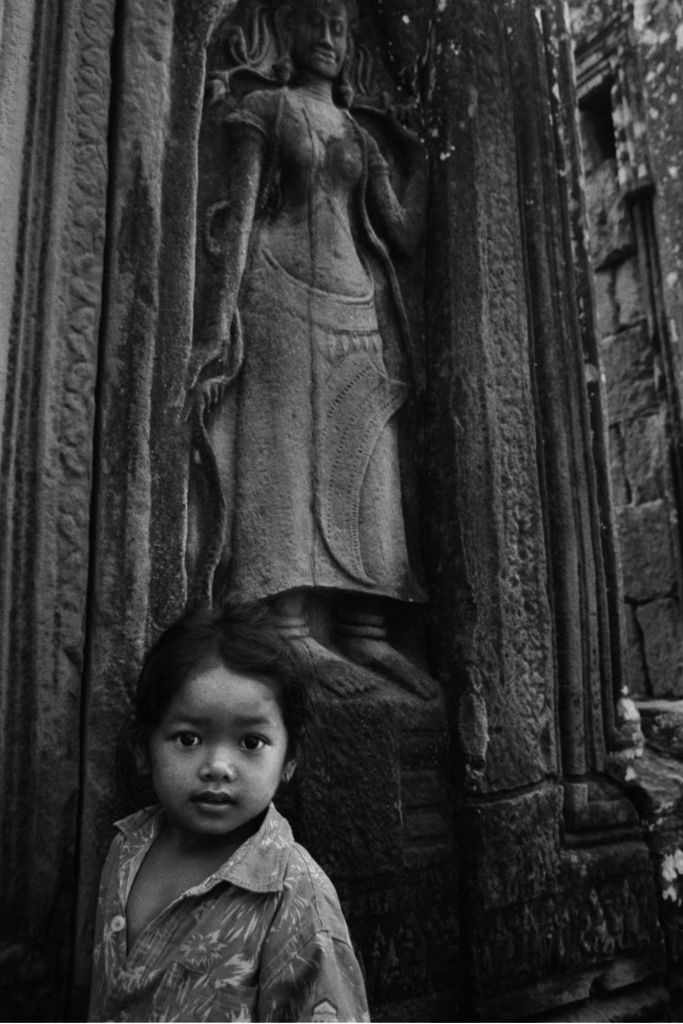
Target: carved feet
(362, 637)
(381, 658)
(328, 669)
(339, 676)
(367, 662)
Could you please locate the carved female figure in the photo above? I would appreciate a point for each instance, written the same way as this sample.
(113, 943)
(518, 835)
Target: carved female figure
(304, 307)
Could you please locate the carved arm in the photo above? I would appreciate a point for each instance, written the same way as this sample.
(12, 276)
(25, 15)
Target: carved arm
(400, 221)
(228, 233)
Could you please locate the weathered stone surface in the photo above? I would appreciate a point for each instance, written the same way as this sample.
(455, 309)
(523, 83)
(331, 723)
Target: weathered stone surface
(512, 855)
(480, 470)
(59, 108)
(594, 806)
(15, 71)
(636, 668)
(645, 451)
(662, 782)
(660, 622)
(646, 550)
(621, 494)
(589, 16)
(656, 39)
(605, 305)
(662, 723)
(627, 360)
(634, 51)
(659, 792)
(372, 806)
(604, 910)
(649, 1001)
(627, 293)
(610, 231)
(139, 528)
(408, 939)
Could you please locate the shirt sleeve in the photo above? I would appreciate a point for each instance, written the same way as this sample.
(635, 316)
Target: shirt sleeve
(321, 981)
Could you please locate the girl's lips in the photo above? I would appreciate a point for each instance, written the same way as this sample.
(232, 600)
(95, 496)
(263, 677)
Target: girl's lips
(210, 796)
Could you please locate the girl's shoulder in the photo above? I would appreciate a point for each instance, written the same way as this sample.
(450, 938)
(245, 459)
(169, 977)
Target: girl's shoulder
(307, 885)
(309, 925)
(303, 864)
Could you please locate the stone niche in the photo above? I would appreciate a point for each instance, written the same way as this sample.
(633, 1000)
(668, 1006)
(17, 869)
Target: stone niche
(488, 862)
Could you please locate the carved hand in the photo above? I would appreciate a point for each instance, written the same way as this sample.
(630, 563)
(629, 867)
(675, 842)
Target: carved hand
(206, 395)
(404, 119)
(211, 393)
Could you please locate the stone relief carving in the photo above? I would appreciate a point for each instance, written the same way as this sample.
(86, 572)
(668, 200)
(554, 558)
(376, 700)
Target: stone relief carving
(592, 927)
(303, 355)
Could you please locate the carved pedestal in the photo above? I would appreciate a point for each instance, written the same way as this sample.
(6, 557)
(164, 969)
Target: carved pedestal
(372, 805)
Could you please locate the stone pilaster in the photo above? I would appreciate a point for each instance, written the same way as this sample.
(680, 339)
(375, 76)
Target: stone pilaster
(54, 121)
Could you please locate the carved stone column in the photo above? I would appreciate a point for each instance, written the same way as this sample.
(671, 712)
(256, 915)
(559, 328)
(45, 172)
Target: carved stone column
(54, 120)
(527, 629)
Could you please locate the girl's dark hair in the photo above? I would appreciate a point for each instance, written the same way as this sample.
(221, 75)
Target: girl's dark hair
(240, 637)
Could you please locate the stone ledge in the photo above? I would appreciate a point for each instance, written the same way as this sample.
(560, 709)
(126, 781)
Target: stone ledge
(575, 997)
(658, 785)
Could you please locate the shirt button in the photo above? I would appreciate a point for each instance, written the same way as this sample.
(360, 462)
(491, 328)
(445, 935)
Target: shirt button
(118, 923)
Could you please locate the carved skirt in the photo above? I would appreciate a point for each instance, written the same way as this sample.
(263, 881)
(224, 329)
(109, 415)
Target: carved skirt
(316, 491)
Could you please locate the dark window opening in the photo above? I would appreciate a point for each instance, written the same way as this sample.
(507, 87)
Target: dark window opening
(597, 125)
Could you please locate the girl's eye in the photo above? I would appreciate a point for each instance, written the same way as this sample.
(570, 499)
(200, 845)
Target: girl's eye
(187, 739)
(253, 743)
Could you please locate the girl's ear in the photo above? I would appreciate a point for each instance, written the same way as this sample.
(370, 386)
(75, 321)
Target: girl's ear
(288, 771)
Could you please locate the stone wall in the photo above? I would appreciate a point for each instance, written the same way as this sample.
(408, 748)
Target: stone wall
(629, 75)
(629, 80)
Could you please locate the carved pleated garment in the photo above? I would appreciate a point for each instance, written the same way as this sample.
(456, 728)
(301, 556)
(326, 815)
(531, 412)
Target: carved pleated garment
(317, 485)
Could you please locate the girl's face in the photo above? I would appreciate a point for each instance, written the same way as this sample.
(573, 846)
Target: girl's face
(218, 754)
(320, 37)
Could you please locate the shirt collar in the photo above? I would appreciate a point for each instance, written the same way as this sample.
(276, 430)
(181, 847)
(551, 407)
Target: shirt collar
(258, 865)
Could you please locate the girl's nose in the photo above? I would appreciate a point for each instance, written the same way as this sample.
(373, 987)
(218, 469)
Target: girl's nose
(218, 764)
(326, 34)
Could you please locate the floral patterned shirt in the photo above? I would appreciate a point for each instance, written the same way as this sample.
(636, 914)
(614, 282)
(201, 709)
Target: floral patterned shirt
(263, 938)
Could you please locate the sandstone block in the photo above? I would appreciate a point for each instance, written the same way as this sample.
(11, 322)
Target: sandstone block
(611, 236)
(627, 361)
(605, 306)
(627, 292)
(644, 457)
(617, 468)
(662, 725)
(647, 554)
(663, 646)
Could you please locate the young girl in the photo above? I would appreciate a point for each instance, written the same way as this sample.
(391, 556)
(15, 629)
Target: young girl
(208, 910)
